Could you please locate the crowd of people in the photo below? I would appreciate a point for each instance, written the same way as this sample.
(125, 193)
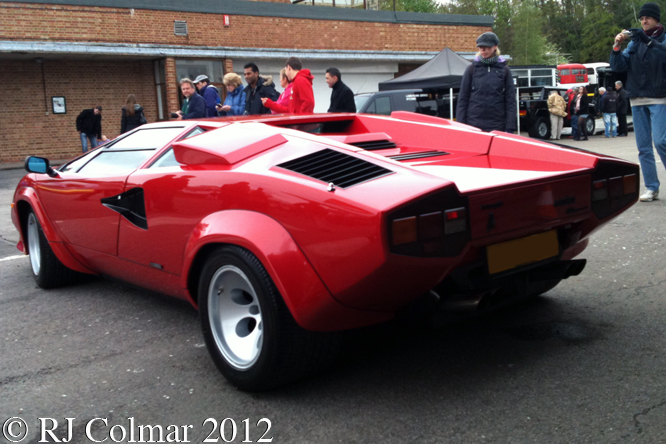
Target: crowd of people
(486, 99)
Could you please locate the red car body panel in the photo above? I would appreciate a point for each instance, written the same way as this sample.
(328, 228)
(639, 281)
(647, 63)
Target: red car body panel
(331, 250)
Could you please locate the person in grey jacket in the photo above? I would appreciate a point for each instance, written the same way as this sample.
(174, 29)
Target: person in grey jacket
(644, 61)
(487, 98)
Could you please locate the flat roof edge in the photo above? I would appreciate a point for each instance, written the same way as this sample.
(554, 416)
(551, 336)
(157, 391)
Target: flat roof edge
(279, 10)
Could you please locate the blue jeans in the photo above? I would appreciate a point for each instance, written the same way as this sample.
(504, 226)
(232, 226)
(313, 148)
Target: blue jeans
(649, 127)
(84, 142)
(574, 127)
(610, 124)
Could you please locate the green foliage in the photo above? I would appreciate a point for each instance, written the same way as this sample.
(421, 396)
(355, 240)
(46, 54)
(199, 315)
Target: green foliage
(529, 30)
(409, 5)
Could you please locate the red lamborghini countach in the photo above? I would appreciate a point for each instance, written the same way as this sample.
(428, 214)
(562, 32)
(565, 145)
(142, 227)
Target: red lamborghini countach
(283, 230)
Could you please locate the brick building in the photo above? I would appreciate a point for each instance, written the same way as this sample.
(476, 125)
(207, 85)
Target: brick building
(95, 52)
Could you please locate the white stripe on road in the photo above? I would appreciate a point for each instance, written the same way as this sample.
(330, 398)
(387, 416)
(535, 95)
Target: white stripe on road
(13, 257)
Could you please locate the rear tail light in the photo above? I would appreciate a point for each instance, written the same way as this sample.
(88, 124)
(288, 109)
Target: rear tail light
(614, 186)
(434, 226)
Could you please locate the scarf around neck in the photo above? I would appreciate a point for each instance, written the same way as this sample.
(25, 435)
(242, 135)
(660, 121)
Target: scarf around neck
(656, 31)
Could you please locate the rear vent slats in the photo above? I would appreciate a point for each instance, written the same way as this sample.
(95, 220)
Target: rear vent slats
(333, 166)
(375, 145)
(419, 155)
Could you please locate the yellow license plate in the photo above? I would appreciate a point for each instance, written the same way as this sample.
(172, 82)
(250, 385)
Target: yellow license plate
(526, 250)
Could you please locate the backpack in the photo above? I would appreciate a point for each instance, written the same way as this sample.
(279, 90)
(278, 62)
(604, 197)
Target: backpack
(610, 102)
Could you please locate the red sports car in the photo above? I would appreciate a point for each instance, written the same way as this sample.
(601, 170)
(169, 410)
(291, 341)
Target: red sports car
(284, 230)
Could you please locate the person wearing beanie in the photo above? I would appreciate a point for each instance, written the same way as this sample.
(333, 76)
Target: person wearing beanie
(487, 98)
(644, 61)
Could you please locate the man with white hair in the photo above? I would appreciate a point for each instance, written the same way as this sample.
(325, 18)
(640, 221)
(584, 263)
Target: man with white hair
(608, 108)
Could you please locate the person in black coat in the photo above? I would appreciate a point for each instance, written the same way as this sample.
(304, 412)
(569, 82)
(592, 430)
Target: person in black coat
(194, 106)
(89, 126)
(342, 98)
(581, 110)
(622, 109)
(487, 98)
(257, 88)
(132, 115)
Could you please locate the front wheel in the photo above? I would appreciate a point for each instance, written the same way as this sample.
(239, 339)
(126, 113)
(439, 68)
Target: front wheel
(47, 269)
(249, 331)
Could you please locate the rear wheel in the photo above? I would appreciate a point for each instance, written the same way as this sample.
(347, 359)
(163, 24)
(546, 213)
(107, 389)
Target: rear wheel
(47, 269)
(249, 331)
(540, 129)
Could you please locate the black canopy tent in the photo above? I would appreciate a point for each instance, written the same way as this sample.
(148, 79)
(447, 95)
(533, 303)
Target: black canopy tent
(444, 71)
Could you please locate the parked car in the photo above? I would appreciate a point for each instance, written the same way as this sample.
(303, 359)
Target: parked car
(413, 100)
(534, 115)
(284, 230)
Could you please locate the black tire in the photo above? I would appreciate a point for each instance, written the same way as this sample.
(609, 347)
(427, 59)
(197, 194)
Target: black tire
(540, 129)
(590, 125)
(47, 269)
(249, 331)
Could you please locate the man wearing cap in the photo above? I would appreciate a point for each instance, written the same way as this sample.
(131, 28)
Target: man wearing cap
(487, 96)
(644, 60)
(209, 93)
(89, 126)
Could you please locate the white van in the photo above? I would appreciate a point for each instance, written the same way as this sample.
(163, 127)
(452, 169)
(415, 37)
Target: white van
(592, 71)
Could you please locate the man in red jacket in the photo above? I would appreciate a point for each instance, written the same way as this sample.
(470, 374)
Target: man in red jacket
(302, 96)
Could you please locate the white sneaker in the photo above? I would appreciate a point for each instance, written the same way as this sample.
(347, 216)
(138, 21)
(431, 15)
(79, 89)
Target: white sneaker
(649, 196)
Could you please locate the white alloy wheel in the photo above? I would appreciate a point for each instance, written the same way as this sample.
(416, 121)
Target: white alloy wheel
(235, 317)
(33, 244)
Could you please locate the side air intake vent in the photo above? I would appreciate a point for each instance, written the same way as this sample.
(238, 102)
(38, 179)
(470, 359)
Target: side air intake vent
(419, 155)
(333, 166)
(375, 145)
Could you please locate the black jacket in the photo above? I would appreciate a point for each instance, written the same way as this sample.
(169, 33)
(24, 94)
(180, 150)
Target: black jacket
(645, 66)
(487, 98)
(196, 108)
(128, 123)
(253, 97)
(608, 103)
(342, 99)
(584, 105)
(622, 106)
(89, 123)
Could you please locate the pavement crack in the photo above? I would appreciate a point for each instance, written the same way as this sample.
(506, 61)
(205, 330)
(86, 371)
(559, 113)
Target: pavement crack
(644, 412)
(7, 241)
(638, 290)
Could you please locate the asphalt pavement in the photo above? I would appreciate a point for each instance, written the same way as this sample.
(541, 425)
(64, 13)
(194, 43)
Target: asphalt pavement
(582, 364)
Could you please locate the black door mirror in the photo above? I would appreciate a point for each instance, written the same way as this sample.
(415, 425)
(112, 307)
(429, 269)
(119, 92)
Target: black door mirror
(34, 164)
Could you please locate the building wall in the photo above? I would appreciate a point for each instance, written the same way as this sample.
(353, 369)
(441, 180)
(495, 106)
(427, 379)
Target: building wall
(26, 128)
(30, 127)
(117, 25)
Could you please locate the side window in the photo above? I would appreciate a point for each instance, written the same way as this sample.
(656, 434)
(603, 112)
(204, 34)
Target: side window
(168, 159)
(383, 105)
(406, 102)
(116, 163)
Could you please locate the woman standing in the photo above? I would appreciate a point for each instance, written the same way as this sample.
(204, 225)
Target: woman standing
(282, 104)
(234, 104)
(487, 96)
(132, 115)
(582, 107)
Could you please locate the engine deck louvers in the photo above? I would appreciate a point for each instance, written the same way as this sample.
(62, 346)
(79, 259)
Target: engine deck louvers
(375, 145)
(333, 166)
(419, 155)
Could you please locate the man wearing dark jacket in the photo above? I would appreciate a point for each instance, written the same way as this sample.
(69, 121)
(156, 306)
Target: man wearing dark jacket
(622, 109)
(209, 94)
(256, 89)
(644, 61)
(89, 126)
(342, 98)
(194, 106)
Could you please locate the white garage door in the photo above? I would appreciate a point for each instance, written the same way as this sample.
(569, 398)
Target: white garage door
(358, 75)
